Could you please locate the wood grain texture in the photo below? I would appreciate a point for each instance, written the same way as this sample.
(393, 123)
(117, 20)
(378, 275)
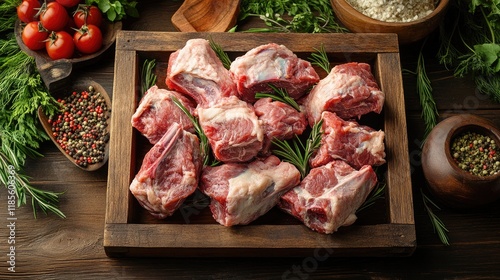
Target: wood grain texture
(206, 15)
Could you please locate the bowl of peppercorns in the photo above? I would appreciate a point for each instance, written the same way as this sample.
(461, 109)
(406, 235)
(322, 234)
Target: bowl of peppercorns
(461, 161)
(410, 20)
(80, 129)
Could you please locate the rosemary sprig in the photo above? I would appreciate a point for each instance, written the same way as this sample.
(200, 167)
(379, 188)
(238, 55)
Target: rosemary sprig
(320, 59)
(224, 58)
(437, 223)
(148, 78)
(424, 89)
(296, 152)
(204, 144)
(279, 94)
(376, 194)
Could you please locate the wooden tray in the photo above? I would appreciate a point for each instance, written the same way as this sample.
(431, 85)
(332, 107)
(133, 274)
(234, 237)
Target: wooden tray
(387, 229)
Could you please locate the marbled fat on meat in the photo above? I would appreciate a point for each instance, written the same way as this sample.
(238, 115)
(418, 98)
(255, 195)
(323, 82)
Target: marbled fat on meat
(169, 173)
(328, 197)
(350, 91)
(233, 130)
(240, 193)
(356, 144)
(156, 113)
(272, 64)
(196, 71)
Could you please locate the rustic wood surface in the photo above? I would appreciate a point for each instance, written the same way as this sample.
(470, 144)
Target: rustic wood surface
(52, 248)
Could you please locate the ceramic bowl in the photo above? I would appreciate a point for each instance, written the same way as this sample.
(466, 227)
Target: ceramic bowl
(450, 184)
(408, 32)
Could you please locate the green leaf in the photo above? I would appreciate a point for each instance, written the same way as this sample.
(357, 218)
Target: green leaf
(488, 53)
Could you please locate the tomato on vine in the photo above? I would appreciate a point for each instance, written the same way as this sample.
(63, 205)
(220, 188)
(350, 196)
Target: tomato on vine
(88, 39)
(60, 45)
(27, 10)
(54, 16)
(87, 15)
(34, 36)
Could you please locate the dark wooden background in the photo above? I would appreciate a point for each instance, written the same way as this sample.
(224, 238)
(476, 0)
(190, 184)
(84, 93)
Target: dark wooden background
(52, 248)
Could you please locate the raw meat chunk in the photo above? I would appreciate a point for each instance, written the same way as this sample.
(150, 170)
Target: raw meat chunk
(356, 144)
(279, 120)
(272, 64)
(328, 197)
(169, 172)
(240, 193)
(233, 130)
(195, 70)
(350, 90)
(156, 113)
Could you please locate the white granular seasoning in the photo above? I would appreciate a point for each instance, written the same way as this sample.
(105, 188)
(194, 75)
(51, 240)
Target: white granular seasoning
(394, 10)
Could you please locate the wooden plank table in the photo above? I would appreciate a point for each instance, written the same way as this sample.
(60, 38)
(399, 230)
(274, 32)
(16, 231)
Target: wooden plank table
(52, 248)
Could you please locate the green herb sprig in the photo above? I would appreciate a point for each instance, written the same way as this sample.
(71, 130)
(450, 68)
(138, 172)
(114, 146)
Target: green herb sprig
(437, 223)
(148, 78)
(320, 59)
(206, 150)
(377, 193)
(223, 56)
(308, 16)
(296, 152)
(279, 94)
(116, 10)
(20, 136)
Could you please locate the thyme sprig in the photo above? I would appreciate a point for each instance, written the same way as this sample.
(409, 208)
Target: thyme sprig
(223, 56)
(320, 59)
(437, 224)
(296, 152)
(279, 94)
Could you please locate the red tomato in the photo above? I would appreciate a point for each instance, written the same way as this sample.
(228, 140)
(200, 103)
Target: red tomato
(87, 15)
(88, 39)
(27, 10)
(68, 3)
(60, 45)
(34, 36)
(54, 17)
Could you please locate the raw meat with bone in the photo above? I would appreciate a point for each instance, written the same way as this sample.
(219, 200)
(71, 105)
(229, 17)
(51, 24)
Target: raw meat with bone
(279, 121)
(169, 172)
(328, 197)
(195, 70)
(240, 193)
(233, 130)
(356, 144)
(350, 90)
(156, 113)
(272, 64)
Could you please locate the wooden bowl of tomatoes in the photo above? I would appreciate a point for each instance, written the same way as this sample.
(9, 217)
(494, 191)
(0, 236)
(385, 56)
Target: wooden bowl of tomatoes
(62, 35)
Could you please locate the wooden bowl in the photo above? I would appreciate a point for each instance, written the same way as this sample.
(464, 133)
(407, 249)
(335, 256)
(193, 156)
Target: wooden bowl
(56, 73)
(206, 15)
(453, 186)
(408, 32)
(79, 85)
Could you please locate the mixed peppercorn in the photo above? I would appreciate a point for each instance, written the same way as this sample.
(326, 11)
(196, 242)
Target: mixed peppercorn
(81, 128)
(476, 153)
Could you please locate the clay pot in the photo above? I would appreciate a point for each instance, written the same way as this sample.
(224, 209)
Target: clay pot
(450, 184)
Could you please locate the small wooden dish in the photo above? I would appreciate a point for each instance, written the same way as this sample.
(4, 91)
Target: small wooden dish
(206, 15)
(56, 73)
(79, 86)
(408, 32)
(453, 186)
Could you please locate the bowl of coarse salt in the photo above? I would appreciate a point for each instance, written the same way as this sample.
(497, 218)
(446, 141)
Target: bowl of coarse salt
(411, 20)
